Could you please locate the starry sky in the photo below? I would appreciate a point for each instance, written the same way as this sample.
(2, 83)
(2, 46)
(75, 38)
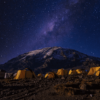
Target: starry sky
(27, 25)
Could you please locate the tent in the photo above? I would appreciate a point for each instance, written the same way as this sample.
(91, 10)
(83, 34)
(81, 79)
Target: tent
(50, 75)
(62, 72)
(8, 75)
(23, 74)
(72, 72)
(2, 73)
(79, 71)
(94, 71)
(40, 75)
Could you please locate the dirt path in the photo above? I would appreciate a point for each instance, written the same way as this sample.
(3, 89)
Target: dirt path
(67, 88)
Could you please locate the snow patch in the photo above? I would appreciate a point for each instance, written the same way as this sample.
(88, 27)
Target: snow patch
(49, 53)
(31, 53)
(51, 58)
(23, 58)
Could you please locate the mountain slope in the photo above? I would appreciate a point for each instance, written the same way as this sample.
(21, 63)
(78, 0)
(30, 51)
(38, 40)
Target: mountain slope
(51, 58)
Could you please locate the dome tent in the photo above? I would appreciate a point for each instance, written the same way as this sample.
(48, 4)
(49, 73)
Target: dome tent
(72, 72)
(39, 75)
(8, 75)
(62, 72)
(94, 71)
(23, 74)
(79, 71)
(50, 75)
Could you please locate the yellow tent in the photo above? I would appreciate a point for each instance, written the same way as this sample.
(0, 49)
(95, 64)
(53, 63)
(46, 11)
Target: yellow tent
(22, 74)
(72, 72)
(94, 71)
(62, 72)
(40, 75)
(50, 75)
(79, 71)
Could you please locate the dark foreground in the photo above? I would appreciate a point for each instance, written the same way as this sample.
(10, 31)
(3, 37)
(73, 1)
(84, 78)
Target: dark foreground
(76, 87)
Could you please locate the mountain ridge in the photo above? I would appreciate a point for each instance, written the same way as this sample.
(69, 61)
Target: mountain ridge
(50, 59)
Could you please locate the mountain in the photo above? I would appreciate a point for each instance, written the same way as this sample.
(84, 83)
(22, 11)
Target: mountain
(51, 59)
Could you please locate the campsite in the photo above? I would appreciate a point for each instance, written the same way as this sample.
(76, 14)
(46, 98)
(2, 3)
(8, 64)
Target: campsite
(62, 85)
(49, 49)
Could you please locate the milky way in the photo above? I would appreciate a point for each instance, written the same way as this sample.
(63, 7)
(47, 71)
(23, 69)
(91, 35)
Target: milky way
(55, 26)
(35, 24)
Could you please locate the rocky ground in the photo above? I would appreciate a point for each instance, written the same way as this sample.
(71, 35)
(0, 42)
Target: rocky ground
(74, 87)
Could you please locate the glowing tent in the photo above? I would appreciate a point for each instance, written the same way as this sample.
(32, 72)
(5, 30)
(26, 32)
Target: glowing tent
(79, 71)
(72, 72)
(94, 71)
(40, 75)
(50, 75)
(62, 72)
(22, 74)
(8, 75)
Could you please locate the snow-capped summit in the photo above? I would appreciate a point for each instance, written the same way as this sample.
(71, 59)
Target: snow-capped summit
(51, 58)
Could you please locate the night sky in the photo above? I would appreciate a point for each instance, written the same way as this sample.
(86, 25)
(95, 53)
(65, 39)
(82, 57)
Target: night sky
(27, 25)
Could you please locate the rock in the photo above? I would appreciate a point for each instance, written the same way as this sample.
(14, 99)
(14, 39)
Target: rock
(80, 76)
(90, 84)
(70, 92)
(40, 85)
(90, 95)
(77, 81)
(62, 77)
(61, 89)
(40, 78)
(82, 86)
